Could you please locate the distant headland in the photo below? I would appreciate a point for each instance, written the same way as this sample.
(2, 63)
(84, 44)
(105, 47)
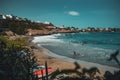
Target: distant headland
(14, 25)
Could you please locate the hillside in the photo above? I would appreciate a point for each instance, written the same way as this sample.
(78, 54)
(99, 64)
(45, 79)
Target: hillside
(22, 26)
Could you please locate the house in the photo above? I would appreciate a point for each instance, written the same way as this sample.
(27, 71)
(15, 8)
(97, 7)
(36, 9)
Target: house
(46, 22)
(9, 16)
(2, 16)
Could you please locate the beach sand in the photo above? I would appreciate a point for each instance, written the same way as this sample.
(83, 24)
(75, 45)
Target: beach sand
(52, 62)
(61, 62)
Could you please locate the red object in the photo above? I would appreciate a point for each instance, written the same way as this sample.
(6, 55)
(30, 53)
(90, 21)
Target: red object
(39, 72)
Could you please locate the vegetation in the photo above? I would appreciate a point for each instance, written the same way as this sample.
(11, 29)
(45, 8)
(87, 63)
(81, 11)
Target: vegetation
(20, 26)
(17, 43)
(80, 75)
(15, 61)
(85, 74)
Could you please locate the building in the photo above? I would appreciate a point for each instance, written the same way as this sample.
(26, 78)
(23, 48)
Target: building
(2, 16)
(9, 16)
(46, 22)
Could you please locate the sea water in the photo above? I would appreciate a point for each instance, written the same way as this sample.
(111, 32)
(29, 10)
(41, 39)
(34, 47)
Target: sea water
(87, 46)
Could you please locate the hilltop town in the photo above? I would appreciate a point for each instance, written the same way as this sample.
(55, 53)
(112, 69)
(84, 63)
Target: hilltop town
(14, 25)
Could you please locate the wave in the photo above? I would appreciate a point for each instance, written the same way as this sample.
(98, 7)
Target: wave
(97, 42)
(47, 38)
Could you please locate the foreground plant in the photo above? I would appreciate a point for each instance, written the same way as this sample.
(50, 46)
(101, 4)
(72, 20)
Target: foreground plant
(16, 62)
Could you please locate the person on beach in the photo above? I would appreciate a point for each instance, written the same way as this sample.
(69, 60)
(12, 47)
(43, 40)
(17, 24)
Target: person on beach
(75, 54)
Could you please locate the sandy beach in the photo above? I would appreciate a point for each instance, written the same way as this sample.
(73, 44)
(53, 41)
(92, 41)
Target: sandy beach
(41, 55)
(61, 62)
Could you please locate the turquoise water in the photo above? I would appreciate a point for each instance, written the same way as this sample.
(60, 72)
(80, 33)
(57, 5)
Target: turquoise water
(93, 47)
(103, 40)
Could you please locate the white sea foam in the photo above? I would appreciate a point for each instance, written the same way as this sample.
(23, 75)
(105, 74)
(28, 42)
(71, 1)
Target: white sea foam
(47, 38)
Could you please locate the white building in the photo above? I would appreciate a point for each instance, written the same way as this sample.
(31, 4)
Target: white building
(37, 22)
(46, 22)
(2, 16)
(9, 16)
(16, 18)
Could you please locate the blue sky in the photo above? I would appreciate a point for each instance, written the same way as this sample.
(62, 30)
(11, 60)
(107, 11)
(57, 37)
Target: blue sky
(77, 13)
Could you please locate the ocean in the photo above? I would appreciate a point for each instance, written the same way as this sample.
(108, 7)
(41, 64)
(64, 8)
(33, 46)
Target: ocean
(93, 47)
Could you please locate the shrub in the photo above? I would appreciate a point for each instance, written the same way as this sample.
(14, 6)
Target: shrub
(15, 62)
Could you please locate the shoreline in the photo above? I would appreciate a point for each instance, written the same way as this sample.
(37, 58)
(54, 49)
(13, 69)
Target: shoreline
(41, 55)
(57, 61)
(86, 64)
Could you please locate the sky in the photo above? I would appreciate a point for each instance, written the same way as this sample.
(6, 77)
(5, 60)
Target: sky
(76, 13)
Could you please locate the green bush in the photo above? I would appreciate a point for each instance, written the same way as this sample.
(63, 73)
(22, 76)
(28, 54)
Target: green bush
(15, 62)
(18, 43)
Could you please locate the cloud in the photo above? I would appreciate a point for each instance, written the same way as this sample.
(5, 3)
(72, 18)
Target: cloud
(73, 13)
